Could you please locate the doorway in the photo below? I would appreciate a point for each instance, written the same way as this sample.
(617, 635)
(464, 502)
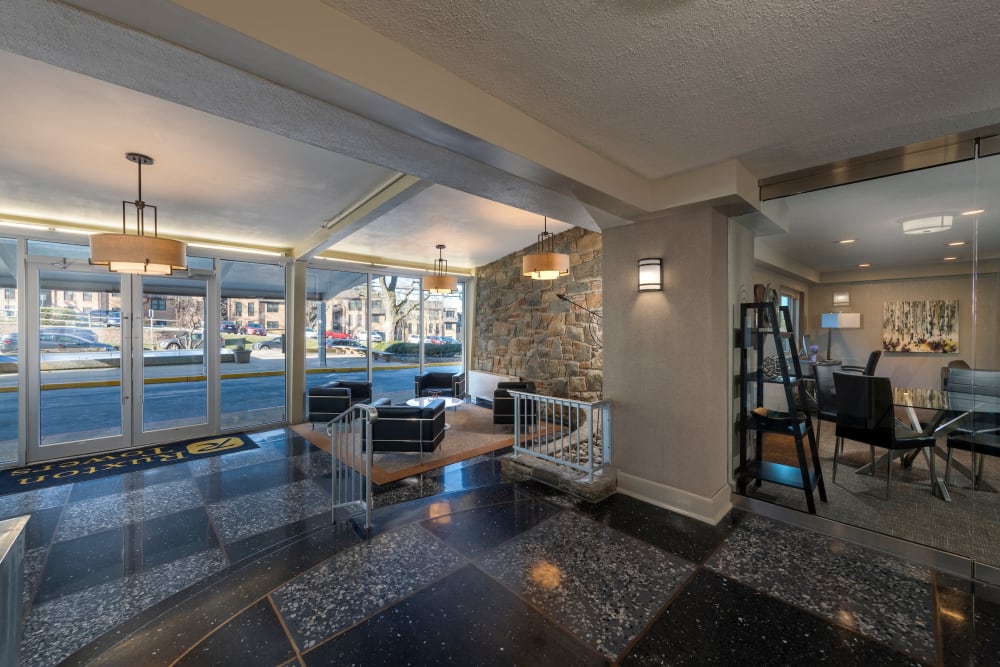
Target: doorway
(114, 361)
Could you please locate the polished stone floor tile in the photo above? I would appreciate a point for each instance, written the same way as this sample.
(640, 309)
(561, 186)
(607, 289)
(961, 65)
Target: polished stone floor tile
(84, 562)
(255, 637)
(257, 543)
(231, 483)
(241, 516)
(877, 595)
(360, 581)
(475, 531)
(315, 463)
(58, 628)
(716, 621)
(232, 460)
(682, 536)
(602, 585)
(178, 535)
(463, 619)
(129, 481)
(18, 504)
(103, 512)
(969, 620)
(41, 527)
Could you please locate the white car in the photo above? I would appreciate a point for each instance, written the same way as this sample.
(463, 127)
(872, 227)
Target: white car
(369, 337)
(311, 333)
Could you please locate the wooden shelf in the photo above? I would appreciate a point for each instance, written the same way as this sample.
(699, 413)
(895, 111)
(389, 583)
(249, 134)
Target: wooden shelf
(779, 473)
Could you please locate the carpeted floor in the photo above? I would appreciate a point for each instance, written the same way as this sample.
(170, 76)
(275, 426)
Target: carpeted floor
(471, 434)
(969, 525)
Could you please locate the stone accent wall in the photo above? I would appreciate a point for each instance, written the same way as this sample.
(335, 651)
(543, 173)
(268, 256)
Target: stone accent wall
(522, 328)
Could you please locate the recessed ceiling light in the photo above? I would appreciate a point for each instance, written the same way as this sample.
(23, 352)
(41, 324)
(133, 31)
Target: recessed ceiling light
(956, 243)
(975, 211)
(846, 241)
(927, 224)
(950, 259)
(864, 266)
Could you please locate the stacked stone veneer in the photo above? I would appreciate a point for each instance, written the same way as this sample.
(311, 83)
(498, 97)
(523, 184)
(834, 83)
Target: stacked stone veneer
(522, 328)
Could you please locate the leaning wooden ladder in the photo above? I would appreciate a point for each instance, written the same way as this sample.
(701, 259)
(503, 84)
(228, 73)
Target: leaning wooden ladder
(352, 463)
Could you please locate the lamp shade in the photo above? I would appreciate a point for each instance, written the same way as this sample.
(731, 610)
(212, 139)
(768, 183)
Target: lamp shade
(546, 266)
(650, 274)
(132, 253)
(440, 284)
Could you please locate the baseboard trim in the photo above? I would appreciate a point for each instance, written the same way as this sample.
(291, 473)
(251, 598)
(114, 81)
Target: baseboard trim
(708, 510)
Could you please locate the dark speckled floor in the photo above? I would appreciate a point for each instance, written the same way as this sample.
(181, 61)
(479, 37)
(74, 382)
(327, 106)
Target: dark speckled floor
(234, 561)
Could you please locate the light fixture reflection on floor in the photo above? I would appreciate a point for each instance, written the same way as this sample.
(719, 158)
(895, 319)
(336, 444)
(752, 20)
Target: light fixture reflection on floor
(927, 224)
(545, 263)
(439, 282)
(138, 253)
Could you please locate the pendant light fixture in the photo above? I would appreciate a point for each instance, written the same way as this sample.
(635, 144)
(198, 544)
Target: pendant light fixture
(546, 263)
(138, 253)
(439, 282)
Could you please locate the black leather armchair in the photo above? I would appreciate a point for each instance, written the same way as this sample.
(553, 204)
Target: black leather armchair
(403, 428)
(444, 384)
(503, 403)
(332, 399)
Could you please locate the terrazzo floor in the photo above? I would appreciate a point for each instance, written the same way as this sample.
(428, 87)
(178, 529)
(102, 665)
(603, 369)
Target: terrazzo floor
(232, 561)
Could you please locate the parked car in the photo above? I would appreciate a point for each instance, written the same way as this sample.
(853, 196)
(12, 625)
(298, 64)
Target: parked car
(57, 340)
(228, 326)
(369, 336)
(311, 333)
(345, 346)
(253, 329)
(337, 335)
(451, 340)
(273, 343)
(64, 341)
(192, 340)
(105, 318)
(413, 338)
(88, 334)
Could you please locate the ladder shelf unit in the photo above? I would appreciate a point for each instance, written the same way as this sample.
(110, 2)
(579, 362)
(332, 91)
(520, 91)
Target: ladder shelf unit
(766, 328)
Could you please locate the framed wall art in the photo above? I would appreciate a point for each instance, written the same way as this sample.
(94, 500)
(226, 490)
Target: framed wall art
(920, 326)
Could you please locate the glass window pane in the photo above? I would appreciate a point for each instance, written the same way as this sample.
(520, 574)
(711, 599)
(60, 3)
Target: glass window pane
(253, 375)
(337, 341)
(8, 353)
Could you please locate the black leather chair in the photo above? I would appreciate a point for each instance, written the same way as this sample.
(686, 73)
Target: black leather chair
(865, 414)
(945, 370)
(404, 428)
(979, 436)
(332, 399)
(869, 367)
(441, 383)
(503, 403)
(826, 393)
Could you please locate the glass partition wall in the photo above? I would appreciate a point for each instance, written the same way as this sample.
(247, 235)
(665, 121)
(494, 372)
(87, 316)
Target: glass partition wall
(382, 327)
(928, 302)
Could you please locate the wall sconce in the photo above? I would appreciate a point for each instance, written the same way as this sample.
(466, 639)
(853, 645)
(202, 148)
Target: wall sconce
(651, 274)
(841, 297)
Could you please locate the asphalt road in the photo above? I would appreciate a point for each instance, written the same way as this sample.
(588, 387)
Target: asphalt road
(64, 410)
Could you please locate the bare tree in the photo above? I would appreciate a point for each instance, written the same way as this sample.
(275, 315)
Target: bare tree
(399, 304)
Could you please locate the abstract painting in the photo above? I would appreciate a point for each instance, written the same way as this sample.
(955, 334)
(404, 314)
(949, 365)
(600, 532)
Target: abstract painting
(920, 326)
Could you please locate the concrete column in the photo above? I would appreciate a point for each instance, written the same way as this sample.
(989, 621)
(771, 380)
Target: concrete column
(667, 357)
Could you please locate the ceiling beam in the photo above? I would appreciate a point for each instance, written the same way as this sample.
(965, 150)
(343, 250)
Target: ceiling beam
(387, 196)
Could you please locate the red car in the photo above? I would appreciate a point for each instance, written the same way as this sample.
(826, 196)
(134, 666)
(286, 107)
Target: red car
(337, 334)
(253, 329)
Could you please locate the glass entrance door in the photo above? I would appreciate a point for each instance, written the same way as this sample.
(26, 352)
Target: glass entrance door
(74, 350)
(115, 361)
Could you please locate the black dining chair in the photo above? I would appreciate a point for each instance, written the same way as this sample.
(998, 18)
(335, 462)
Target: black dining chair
(865, 414)
(869, 367)
(980, 435)
(826, 394)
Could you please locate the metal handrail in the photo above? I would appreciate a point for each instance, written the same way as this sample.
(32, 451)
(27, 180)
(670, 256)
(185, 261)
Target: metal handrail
(563, 431)
(351, 492)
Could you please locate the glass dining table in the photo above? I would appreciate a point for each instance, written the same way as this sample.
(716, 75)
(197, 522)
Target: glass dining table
(943, 412)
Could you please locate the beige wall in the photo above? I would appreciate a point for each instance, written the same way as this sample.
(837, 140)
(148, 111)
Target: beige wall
(978, 345)
(667, 362)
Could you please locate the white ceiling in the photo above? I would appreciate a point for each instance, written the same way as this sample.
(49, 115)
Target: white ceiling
(659, 87)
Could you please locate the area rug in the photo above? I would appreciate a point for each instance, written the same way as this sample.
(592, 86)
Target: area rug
(471, 434)
(83, 468)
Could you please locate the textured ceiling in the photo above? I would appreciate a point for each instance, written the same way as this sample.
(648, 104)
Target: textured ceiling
(662, 86)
